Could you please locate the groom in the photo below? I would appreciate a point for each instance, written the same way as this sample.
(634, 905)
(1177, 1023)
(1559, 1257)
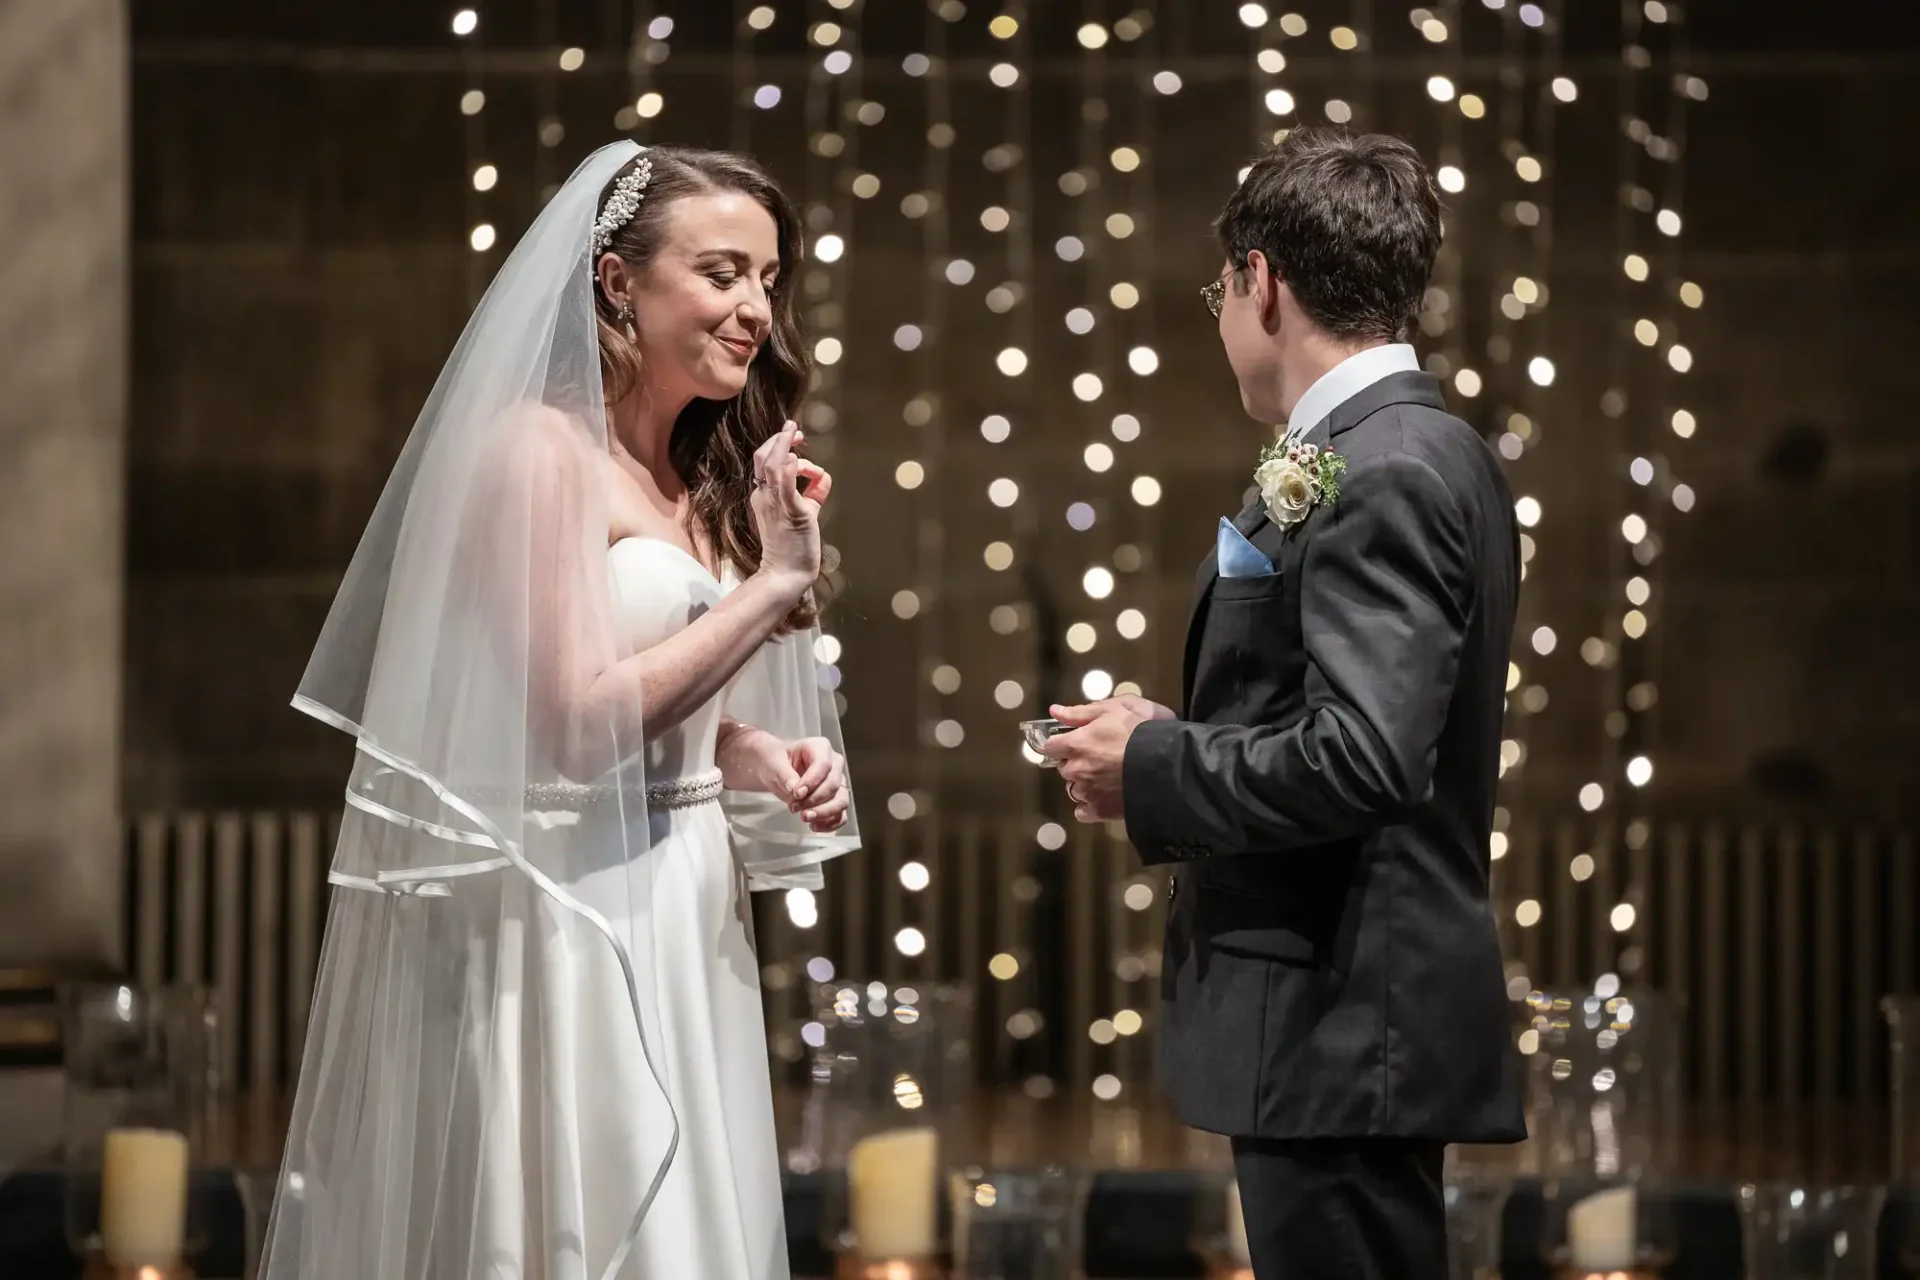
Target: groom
(1332, 993)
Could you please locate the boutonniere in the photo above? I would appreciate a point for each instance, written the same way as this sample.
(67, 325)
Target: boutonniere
(1294, 478)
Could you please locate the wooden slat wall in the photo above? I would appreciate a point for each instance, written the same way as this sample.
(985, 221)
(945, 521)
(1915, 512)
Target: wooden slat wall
(1781, 941)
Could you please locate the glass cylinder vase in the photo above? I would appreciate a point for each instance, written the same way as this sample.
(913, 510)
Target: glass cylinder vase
(1603, 1114)
(1809, 1233)
(891, 1073)
(1902, 1013)
(134, 1125)
(1017, 1224)
(1476, 1211)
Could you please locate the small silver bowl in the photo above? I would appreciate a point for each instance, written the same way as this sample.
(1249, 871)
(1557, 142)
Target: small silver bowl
(1036, 733)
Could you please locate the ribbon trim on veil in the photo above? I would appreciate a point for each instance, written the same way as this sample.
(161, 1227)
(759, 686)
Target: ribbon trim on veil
(416, 881)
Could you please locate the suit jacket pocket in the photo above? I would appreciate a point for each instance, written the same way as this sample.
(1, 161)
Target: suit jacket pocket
(1258, 587)
(1252, 925)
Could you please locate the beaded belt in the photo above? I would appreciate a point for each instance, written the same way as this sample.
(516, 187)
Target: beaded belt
(678, 793)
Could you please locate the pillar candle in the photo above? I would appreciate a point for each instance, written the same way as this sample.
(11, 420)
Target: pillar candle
(1603, 1231)
(143, 1197)
(892, 1178)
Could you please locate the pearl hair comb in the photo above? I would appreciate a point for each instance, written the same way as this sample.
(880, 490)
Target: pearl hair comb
(621, 205)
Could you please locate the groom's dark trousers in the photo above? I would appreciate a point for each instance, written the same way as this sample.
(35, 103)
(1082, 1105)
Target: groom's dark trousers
(1332, 994)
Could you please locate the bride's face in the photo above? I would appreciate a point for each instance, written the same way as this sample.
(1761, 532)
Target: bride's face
(703, 307)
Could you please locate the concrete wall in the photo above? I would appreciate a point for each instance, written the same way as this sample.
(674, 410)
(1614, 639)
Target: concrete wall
(63, 307)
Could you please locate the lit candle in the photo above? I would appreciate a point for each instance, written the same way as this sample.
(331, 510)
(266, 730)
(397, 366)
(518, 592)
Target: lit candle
(143, 1197)
(1602, 1231)
(892, 1178)
(1237, 1227)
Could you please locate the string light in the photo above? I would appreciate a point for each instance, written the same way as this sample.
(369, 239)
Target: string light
(481, 234)
(1519, 363)
(1648, 153)
(1101, 267)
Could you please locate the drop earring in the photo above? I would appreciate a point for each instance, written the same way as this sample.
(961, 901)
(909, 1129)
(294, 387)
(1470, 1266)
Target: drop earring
(626, 320)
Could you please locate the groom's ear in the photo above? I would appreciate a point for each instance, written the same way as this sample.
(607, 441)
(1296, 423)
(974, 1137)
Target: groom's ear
(1265, 284)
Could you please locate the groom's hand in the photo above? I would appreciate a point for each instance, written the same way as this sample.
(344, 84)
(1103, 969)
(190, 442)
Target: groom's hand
(1092, 752)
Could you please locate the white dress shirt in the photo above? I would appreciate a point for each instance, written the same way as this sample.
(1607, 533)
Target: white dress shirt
(1346, 380)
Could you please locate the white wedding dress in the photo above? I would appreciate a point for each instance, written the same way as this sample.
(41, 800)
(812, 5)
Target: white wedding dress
(536, 1048)
(718, 1215)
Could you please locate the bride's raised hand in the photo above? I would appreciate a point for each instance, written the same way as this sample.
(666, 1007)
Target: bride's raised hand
(788, 517)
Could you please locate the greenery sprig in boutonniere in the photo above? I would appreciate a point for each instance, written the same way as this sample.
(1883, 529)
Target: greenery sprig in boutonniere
(1294, 478)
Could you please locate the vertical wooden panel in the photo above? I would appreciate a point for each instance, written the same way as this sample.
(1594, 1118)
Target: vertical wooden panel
(1562, 913)
(1901, 930)
(1676, 960)
(1789, 1012)
(853, 956)
(1128, 937)
(933, 961)
(262, 936)
(1010, 857)
(189, 900)
(892, 965)
(1713, 964)
(1644, 894)
(1528, 845)
(973, 869)
(1606, 888)
(229, 854)
(1866, 967)
(1752, 1018)
(306, 902)
(150, 908)
(1829, 1000)
(1083, 906)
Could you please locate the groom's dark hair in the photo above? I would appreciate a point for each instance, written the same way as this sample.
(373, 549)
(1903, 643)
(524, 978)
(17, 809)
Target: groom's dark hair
(1350, 222)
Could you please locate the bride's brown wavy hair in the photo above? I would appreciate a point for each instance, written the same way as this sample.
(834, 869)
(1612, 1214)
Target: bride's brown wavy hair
(713, 441)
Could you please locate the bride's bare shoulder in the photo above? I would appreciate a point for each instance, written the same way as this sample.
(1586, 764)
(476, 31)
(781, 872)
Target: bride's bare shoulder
(541, 432)
(545, 454)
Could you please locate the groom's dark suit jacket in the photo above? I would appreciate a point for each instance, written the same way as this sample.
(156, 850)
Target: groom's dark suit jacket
(1331, 968)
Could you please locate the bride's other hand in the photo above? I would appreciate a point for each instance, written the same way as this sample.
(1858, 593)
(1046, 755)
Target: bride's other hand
(752, 759)
(788, 519)
(808, 776)
(822, 799)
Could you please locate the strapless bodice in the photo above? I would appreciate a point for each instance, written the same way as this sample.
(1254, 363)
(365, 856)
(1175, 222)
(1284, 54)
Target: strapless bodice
(658, 590)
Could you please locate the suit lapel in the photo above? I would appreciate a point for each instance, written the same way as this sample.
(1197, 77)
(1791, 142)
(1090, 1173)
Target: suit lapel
(1398, 388)
(1271, 541)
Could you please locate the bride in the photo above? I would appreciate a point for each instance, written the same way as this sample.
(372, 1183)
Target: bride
(575, 651)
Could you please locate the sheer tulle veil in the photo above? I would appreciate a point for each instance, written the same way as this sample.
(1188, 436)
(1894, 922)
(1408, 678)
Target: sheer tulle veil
(496, 819)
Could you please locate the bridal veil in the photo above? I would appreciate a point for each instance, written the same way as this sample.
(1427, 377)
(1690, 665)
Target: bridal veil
(460, 656)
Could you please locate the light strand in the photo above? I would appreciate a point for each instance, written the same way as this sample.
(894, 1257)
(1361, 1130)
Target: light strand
(1652, 225)
(936, 679)
(1519, 373)
(481, 175)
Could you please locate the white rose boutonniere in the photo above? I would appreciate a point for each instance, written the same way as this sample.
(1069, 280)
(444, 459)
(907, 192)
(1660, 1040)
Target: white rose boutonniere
(1294, 478)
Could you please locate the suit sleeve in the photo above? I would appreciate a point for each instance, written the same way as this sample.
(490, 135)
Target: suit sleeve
(1385, 597)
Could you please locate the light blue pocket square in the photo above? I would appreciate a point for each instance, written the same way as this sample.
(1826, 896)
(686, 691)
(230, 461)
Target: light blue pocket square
(1238, 557)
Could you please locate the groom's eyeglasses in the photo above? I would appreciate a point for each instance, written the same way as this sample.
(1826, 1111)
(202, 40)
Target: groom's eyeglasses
(1215, 296)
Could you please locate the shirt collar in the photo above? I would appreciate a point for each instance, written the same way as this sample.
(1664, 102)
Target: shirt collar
(1348, 379)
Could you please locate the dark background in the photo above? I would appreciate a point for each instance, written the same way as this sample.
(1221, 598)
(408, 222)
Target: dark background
(301, 270)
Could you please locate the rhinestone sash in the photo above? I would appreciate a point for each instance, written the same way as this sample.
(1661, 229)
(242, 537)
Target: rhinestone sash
(677, 793)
